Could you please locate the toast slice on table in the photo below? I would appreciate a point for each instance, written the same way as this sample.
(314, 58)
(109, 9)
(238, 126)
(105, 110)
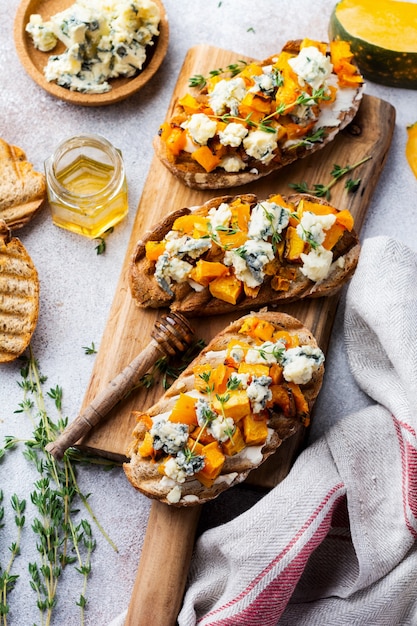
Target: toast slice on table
(237, 253)
(22, 189)
(250, 119)
(19, 296)
(251, 388)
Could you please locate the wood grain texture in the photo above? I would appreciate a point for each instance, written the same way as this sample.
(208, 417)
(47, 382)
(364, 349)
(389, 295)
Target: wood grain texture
(34, 60)
(128, 327)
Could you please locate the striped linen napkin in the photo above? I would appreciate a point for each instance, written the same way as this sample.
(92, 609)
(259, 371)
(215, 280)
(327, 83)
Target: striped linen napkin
(335, 542)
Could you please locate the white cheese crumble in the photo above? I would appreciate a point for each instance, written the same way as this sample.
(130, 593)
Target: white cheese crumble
(232, 163)
(317, 263)
(220, 216)
(233, 134)
(103, 40)
(312, 67)
(261, 145)
(174, 495)
(267, 219)
(259, 392)
(300, 363)
(249, 261)
(200, 128)
(267, 353)
(227, 94)
(169, 436)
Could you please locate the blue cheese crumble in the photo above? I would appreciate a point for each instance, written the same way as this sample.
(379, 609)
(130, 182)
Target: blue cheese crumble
(103, 41)
(300, 363)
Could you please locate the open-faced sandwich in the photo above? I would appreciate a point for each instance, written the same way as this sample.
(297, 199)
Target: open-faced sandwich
(247, 120)
(19, 296)
(240, 253)
(251, 388)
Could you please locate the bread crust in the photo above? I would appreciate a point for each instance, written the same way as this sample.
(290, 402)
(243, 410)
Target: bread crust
(19, 296)
(148, 294)
(22, 189)
(144, 474)
(193, 175)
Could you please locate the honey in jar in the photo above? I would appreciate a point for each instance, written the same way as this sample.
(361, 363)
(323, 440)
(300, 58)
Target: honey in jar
(87, 188)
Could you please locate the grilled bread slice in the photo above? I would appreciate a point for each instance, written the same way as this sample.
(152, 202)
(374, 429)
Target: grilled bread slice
(22, 189)
(251, 388)
(19, 296)
(237, 253)
(238, 126)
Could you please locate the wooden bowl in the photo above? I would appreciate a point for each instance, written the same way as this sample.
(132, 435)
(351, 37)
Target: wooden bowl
(34, 60)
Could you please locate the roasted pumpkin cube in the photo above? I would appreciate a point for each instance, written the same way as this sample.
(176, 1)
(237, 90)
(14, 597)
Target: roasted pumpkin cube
(154, 249)
(332, 235)
(251, 69)
(199, 438)
(320, 45)
(294, 245)
(205, 157)
(256, 102)
(291, 341)
(249, 325)
(235, 404)
(227, 288)
(345, 218)
(264, 330)
(283, 398)
(146, 448)
(213, 463)
(234, 444)
(194, 225)
(301, 403)
(254, 369)
(176, 140)
(255, 431)
(220, 377)
(206, 271)
(183, 411)
(314, 207)
(203, 377)
(189, 104)
(275, 372)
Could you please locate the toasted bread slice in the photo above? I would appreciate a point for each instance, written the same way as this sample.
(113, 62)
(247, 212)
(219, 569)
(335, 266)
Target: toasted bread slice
(282, 125)
(284, 278)
(229, 421)
(22, 189)
(19, 296)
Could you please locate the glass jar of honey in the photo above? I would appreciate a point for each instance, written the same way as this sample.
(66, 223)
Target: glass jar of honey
(86, 183)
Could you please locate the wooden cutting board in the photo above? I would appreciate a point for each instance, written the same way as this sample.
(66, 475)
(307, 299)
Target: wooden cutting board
(168, 544)
(128, 328)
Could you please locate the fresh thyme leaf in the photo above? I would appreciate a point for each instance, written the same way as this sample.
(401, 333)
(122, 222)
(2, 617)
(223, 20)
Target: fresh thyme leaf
(199, 81)
(90, 349)
(101, 246)
(250, 30)
(352, 185)
(323, 191)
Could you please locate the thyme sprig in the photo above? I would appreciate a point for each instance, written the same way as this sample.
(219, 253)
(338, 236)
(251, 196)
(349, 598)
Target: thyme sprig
(7, 578)
(199, 81)
(62, 540)
(323, 190)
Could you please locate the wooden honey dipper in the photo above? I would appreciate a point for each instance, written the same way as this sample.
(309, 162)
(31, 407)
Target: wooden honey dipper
(171, 335)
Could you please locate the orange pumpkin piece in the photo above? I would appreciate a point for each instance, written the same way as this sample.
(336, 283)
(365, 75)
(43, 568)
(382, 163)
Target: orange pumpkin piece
(253, 369)
(195, 225)
(300, 401)
(206, 271)
(264, 330)
(176, 140)
(201, 437)
(220, 376)
(204, 157)
(236, 406)
(294, 245)
(283, 398)
(291, 341)
(314, 207)
(213, 462)
(255, 431)
(256, 102)
(190, 104)
(234, 444)
(201, 372)
(154, 249)
(275, 372)
(227, 288)
(345, 218)
(184, 411)
(332, 235)
(146, 448)
(248, 327)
